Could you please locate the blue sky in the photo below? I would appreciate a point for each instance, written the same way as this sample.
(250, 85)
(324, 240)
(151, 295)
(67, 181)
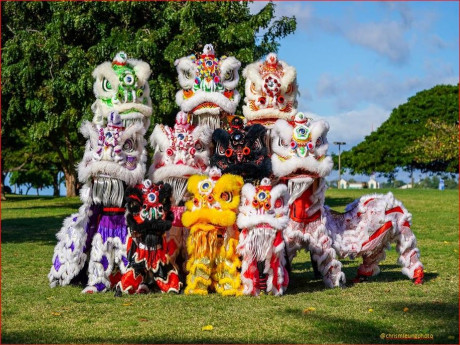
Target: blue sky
(356, 61)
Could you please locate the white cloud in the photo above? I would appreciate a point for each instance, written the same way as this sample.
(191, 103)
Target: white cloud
(388, 89)
(352, 126)
(385, 38)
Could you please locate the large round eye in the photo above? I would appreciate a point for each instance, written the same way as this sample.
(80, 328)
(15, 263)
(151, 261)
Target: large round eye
(228, 152)
(128, 146)
(257, 145)
(226, 196)
(128, 79)
(198, 146)
(281, 142)
(187, 74)
(205, 186)
(220, 149)
(139, 93)
(279, 203)
(228, 75)
(319, 141)
(106, 86)
(151, 197)
(262, 196)
(181, 136)
(209, 63)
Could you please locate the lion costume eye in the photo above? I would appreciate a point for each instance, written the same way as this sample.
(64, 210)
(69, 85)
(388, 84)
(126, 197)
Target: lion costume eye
(106, 86)
(279, 203)
(226, 196)
(128, 146)
(228, 75)
(187, 74)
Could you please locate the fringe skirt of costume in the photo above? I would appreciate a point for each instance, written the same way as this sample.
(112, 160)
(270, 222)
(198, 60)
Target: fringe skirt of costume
(149, 267)
(212, 260)
(177, 239)
(108, 259)
(263, 267)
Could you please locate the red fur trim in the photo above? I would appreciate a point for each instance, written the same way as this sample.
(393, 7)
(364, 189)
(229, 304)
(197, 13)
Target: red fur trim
(395, 209)
(368, 201)
(379, 232)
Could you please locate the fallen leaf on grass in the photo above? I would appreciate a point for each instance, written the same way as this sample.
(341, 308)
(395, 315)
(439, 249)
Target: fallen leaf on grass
(308, 310)
(55, 313)
(143, 320)
(371, 310)
(445, 242)
(207, 328)
(127, 304)
(405, 309)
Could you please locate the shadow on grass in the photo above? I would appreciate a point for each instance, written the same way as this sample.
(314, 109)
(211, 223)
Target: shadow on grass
(302, 278)
(41, 229)
(338, 202)
(348, 330)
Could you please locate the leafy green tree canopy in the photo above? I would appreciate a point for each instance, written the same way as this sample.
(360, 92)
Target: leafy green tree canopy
(49, 50)
(391, 146)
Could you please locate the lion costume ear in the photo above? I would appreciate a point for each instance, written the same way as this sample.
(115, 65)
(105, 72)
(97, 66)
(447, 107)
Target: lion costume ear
(192, 184)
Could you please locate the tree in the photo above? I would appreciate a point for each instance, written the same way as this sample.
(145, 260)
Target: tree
(49, 50)
(387, 149)
(438, 147)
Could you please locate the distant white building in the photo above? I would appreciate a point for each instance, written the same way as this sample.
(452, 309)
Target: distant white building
(371, 184)
(406, 186)
(342, 184)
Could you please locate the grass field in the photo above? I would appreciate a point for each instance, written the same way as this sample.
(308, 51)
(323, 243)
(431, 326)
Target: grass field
(388, 304)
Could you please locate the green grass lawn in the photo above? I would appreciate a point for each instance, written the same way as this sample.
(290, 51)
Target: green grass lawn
(308, 313)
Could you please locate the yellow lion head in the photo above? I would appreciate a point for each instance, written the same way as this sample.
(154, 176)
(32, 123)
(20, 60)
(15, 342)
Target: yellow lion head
(215, 199)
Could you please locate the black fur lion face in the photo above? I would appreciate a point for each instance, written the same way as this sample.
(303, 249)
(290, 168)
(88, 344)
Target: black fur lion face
(148, 210)
(241, 151)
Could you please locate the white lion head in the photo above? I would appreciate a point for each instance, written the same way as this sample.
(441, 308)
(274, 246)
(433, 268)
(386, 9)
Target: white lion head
(300, 148)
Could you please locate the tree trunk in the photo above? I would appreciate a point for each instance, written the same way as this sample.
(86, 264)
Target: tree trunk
(3, 180)
(56, 184)
(3, 193)
(70, 184)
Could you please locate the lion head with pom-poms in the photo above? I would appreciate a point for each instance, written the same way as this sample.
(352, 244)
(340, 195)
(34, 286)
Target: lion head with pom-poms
(122, 86)
(208, 86)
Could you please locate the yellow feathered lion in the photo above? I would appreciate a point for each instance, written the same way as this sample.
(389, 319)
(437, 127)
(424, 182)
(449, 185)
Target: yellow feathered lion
(211, 214)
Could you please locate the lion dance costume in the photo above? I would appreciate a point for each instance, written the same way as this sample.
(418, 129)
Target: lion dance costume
(368, 227)
(148, 217)
(299, 158)
(213, 262)
(262, 218)
(180, 152)
(91, 245)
